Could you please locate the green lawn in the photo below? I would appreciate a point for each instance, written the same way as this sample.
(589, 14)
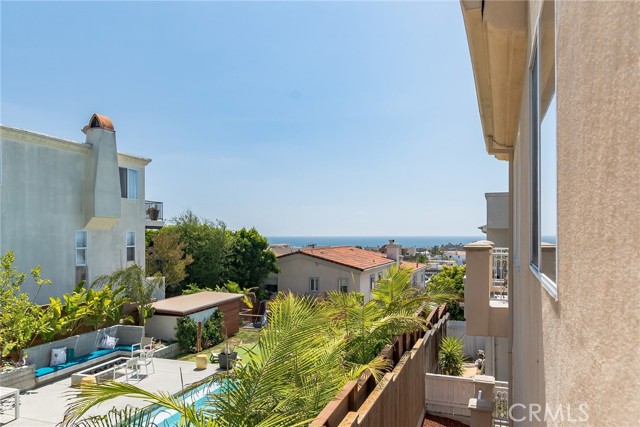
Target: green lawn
(249, 339)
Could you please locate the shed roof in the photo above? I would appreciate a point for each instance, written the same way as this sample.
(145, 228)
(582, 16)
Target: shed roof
(184, 305)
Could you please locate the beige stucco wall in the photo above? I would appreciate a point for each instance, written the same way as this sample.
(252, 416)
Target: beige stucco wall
(43, 202)
(582, 348)
(498, 219)
(295, 271)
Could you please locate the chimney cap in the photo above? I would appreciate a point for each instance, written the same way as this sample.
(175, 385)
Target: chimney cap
(99, 121)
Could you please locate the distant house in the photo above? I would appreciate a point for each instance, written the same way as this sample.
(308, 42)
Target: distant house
(75, 209)
(459, 257)
(419, 276)
(315, 271)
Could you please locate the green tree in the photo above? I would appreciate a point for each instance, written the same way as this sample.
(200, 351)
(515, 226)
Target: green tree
(208, 245)
(452, 277)
(249, 261)
(20, 317)
(166, 255)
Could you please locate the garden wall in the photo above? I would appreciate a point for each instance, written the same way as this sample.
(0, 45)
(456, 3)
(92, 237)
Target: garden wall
(399, 399)
(22, 378)
(170, 351)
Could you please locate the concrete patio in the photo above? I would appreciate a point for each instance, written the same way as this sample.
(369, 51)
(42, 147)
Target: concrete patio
(45, 406)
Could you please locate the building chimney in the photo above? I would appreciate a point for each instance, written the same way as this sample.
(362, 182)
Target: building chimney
(102, 189)
(394, 251)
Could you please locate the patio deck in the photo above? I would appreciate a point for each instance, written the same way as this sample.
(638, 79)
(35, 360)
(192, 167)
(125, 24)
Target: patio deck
(45, 406)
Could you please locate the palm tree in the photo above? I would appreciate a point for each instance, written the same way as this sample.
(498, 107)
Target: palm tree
(138, 287)
(396, 306)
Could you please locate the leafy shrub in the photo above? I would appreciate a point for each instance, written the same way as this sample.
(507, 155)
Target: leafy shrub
(456, 311)
(450, 357)
(20, 318)
(212, 329)
(452, 277)
(186, 333)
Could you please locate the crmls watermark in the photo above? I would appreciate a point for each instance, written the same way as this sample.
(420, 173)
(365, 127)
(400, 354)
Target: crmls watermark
(576, 413)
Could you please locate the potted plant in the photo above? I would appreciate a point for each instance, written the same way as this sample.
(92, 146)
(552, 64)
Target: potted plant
(153, 212)
(227, 358)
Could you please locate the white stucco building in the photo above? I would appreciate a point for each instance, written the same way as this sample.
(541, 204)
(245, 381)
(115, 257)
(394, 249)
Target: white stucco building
(75, 209)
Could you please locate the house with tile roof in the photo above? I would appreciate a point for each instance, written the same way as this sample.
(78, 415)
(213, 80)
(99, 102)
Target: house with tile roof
(318, 270)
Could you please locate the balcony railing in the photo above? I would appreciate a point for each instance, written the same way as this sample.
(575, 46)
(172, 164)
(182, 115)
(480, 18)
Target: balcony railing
(500, 274)
(153, 210)
(501, 404)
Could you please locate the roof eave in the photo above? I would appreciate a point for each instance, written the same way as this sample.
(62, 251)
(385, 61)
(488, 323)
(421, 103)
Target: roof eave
(497, 36)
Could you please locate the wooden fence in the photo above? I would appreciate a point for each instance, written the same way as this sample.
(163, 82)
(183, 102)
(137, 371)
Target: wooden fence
(399, 399)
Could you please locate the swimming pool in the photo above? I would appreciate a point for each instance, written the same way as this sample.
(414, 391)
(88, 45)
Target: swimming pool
(163, 417)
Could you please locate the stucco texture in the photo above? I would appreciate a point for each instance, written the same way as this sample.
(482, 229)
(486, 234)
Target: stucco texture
(582, 348)
(598, 89)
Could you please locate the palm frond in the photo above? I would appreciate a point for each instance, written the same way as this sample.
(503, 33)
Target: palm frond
(93, 395)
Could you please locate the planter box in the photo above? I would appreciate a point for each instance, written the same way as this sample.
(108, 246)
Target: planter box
(23, 378)
(168, 352)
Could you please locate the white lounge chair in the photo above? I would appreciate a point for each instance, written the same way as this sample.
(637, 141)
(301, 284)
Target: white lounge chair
(146, 343)
(130, 367)
(146, 358)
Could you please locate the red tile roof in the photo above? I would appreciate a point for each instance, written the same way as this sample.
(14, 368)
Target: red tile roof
(348, 256)
(412, 265)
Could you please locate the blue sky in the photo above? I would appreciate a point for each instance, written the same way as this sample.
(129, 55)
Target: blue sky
(320, 118)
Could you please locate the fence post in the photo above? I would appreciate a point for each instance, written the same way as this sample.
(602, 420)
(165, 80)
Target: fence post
(199, 338)
(481, 406)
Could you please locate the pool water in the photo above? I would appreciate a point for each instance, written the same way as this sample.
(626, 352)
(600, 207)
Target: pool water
(163, 417)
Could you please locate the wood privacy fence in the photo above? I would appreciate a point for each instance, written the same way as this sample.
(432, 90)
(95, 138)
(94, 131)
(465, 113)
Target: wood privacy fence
(399, 399)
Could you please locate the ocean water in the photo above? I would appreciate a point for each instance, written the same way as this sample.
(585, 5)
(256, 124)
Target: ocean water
(407, 241)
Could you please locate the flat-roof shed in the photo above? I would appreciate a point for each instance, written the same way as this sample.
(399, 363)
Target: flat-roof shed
(199, 307)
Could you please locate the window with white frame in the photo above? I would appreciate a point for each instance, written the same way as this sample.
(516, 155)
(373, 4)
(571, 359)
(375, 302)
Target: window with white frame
(128, 183)
(81, 248)
(343, 285)
(543, 177)
(81, 255)
(314, 284)
(131, 246)
(372, 281)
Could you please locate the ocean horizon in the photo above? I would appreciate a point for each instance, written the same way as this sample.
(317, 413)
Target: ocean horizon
(372, 241)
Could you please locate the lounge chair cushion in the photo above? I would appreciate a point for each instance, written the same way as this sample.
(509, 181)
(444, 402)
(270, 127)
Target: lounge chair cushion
(108, 342)
(58, 356)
